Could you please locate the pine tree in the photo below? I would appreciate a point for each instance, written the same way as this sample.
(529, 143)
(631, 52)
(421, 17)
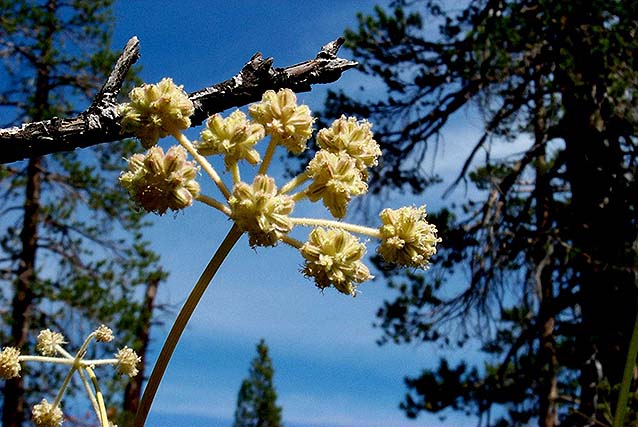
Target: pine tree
(72, 254)
(257, 398)
(549, 237)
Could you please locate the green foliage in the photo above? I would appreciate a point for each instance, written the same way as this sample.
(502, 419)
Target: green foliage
(88, 263)
(545, 240)
(257, 398)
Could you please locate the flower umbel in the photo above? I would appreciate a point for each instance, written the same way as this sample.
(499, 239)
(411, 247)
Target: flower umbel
(289, 124)
(9, 363)
(333, 257)
(158, 181)
(104, 334)
(46, 415)
(406, 237)
(260, 211)
(234, 137)
(352, 137)
(335, 180)
(47, 341)
(156, 111)
(127, 361)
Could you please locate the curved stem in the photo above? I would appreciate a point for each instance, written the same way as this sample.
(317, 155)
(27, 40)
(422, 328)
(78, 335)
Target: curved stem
(205, 164)
(292, 242)
(294, 183)
(213, 203)
(104, 420)
(359, 229)
(180, 323)
(270, 150)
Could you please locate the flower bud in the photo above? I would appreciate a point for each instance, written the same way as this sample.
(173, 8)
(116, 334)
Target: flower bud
(46, 415)
(333, 258)
(127, 361)
(259, 211)
(288, 124)
(10, 363)
(233, 137)
(353, 138)
(407, 239)
(158, 181)
(335, 179)
(156, 111)
(104, 334)
(47, 341)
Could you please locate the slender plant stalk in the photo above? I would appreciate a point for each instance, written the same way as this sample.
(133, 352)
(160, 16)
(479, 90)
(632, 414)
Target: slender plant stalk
(180, 323)
(630, 363)
(270, 151)
(104, 419)
(359, 229)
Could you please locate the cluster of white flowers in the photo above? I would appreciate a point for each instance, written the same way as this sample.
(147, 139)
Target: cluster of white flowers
(49, 346)
(337, 173)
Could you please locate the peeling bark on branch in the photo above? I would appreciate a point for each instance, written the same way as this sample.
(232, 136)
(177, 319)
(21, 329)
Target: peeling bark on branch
(101, 121)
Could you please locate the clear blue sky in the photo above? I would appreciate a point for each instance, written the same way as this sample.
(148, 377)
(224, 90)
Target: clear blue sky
(328, 369)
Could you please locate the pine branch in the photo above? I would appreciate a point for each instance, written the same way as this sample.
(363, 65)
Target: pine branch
(101, 121)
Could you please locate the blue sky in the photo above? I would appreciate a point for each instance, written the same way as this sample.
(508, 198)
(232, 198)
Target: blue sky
(328, 369)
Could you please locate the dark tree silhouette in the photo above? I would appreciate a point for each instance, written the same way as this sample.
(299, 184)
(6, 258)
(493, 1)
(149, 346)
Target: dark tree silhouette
(549, 237)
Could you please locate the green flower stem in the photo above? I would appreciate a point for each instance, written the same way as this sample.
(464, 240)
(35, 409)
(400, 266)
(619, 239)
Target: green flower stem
(299, 196)
(630, 363)
(234, 169)
(270, 151)
(208, 168)
(104, 420)
(359, 229)
(180, 323)
(292, 242)
(214, 203)
(294, 183)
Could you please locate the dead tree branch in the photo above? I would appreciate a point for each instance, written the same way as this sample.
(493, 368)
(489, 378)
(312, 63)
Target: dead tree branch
(101, 121)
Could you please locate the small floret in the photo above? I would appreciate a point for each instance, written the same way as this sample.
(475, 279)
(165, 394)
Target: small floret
(335, 179)
(45, 414)
(158, 181)
(127, 361)
(333, 258)
(352, 137)
(47, 342)
(156, 111)
(286, 122)
(104, 334)
(9, 363)
(259, 211)
(234, 137)
(407, 239)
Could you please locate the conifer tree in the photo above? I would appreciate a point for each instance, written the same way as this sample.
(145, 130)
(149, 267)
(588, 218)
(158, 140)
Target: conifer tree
(548, 239)
(71, 249)
(257, 398)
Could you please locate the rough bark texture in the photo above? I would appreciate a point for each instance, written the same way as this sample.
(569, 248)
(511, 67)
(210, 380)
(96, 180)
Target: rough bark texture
(100, 122)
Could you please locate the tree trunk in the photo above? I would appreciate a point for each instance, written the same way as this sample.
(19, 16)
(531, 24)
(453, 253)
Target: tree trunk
(602, 237)
(133, 390)
(541, 255)
(13, 410)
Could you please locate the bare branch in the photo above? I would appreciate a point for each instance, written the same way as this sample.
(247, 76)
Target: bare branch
(101, 121)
